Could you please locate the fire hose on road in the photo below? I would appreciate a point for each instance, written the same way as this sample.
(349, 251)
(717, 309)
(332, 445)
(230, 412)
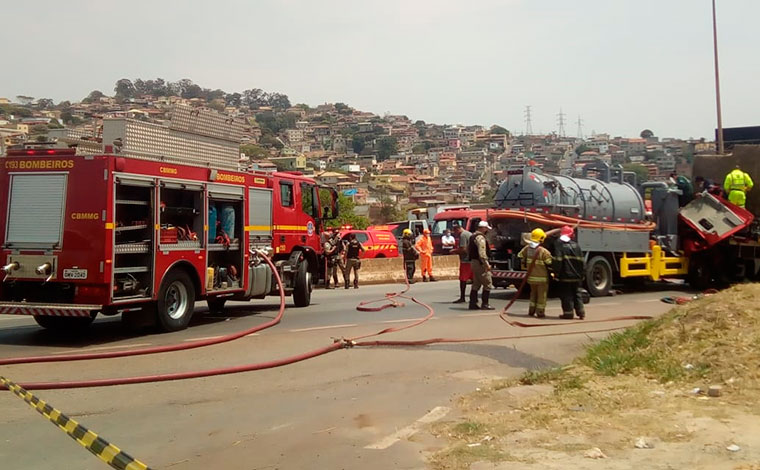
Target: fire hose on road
(336, 345)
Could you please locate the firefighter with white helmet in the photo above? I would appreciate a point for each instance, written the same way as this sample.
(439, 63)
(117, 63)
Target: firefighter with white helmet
(538, 259)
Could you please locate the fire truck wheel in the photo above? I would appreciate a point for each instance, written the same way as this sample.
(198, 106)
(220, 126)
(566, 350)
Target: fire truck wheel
(216, 305)
(63, 323)
(302, 288)
(598, 276)
(176, 300)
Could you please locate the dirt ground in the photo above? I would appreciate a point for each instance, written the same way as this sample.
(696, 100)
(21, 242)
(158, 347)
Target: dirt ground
(640, 398)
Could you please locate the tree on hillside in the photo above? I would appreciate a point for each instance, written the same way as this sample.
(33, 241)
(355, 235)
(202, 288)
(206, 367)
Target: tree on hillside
(94, 96)
(582, 148)
(642, 173)
(45, 103)
(233, 99)
(495, 129)
(389, 210)
(217, 105)
(124, 89)
(342, 108)
(346, 215)
(70, 119)
(646, 134)
(25, 100)
(358, 144)
(386, 147)
(254, 151)
(272, 141)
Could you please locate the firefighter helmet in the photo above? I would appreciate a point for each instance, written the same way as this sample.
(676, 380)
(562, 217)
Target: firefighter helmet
(537, 235)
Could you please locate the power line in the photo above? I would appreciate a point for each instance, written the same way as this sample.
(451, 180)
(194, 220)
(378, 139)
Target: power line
(580, 127)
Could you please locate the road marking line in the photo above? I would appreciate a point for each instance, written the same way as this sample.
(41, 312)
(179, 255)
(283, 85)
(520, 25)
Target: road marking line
(316, 328)
(477, 314)
(201, 339)
(103, 348)
(405, 320)
(252, 334)
(607, 303)
(404, 433)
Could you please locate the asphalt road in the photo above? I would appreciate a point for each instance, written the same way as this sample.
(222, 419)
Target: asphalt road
(362, 406)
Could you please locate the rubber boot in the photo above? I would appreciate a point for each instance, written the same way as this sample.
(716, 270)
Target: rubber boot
(474, 301)
(566, 316)
(432, 279)
(356, 284)
(485, 305)
(462, 288)
(346, 285)
(424, 279)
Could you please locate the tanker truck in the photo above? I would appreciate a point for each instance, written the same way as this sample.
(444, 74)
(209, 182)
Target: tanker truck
(627, 232)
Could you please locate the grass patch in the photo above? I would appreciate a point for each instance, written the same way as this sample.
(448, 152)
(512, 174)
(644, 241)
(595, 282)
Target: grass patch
(468, 429)
(461, 456)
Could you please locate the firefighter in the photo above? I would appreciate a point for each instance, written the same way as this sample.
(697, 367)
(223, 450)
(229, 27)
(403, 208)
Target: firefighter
(333, 248)
(568, 264)
(353, 249)
(425, 247)
(477, 251)
(465, 270)
(736, 184)
(410, 254)
(538, 280)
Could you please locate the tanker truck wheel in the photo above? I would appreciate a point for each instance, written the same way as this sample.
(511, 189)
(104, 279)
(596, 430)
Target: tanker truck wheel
(598, 276)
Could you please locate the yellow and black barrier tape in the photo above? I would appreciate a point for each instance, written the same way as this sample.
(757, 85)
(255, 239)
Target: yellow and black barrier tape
(102, 449)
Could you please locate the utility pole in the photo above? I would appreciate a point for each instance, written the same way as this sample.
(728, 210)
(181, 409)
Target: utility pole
(721, 147)
(580, 127)
(528, 122)
(561, 123)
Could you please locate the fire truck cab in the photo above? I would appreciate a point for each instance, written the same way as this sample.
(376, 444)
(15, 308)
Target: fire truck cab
(111, 233)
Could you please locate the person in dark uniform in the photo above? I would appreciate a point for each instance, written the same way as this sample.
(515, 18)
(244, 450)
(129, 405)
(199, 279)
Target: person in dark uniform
(568, 264)
(409, 252)
(353, 249)
(477, 250)
(333, 247)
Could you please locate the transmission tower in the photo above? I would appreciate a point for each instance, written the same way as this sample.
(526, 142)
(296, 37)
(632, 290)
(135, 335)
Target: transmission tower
(528, 122)
(561, 123)
(580, 127)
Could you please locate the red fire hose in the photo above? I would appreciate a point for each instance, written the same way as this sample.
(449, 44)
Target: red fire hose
(161, 349)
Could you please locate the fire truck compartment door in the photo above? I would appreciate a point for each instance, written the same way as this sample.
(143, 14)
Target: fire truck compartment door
(35, 213)
(183, 185)
(135, 181)
(223, 191)
(259, 212)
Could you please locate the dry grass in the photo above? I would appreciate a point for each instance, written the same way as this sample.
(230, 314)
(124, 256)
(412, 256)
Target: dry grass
(634, 383)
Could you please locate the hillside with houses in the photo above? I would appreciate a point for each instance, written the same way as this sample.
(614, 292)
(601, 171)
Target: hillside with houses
(384, 163)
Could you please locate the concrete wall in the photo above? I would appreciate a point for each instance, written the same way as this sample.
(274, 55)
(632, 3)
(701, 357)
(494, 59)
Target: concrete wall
(716, 167)
(386, 270)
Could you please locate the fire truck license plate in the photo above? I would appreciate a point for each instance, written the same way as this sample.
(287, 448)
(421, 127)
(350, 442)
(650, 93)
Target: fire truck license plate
(75, 274)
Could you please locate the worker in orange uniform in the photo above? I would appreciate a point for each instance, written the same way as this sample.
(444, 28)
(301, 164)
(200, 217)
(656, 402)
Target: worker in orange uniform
(425, 247)
(736, 184)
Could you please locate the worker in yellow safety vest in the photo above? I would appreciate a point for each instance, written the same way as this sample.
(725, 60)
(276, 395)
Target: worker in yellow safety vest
(736, 184)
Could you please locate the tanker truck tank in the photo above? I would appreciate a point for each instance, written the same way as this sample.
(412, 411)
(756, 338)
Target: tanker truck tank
(605, 197)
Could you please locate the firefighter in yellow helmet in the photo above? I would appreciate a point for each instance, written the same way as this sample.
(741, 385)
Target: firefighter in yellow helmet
(538, 280)
(736, 184)
(409, 252)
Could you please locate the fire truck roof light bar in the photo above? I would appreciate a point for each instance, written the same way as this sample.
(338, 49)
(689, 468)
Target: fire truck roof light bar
(40, 152)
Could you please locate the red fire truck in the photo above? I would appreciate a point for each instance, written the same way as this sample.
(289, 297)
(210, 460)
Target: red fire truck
(110, 233)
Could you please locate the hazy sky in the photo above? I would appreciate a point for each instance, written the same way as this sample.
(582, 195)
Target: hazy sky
(622, 65)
